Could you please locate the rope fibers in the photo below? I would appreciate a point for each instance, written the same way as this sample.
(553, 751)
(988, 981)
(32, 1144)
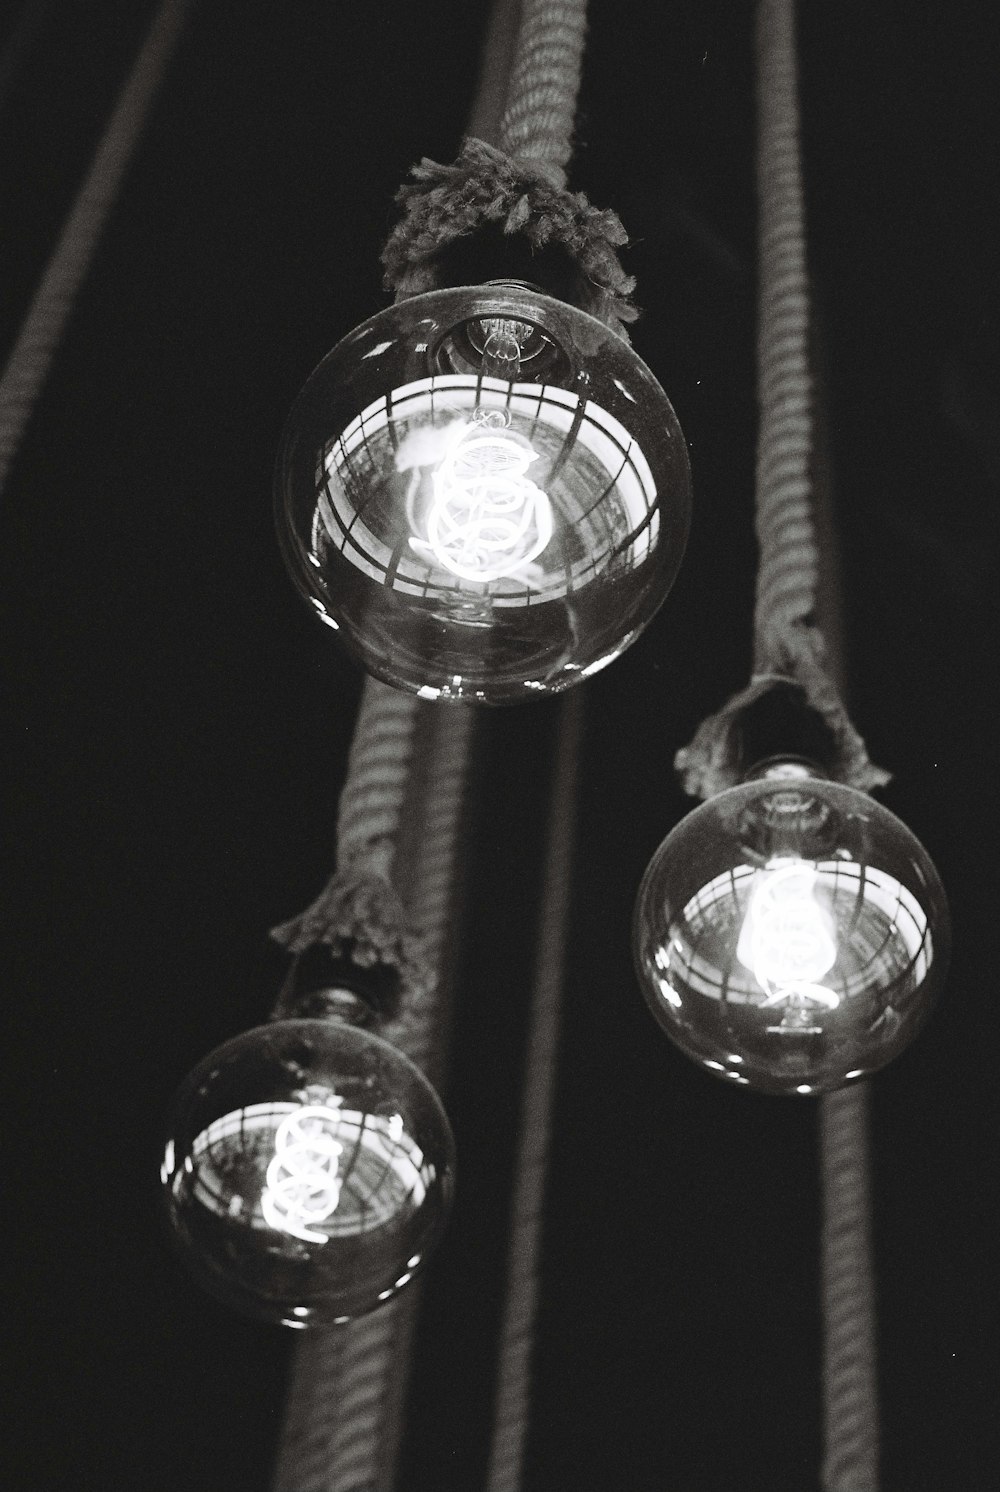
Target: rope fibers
(342, 1425)
(790, 646)
(40, 335)
(348, 1385)
(787, 641)
(512, 1404)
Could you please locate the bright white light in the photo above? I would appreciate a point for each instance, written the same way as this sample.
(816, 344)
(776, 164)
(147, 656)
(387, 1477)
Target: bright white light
(167, 1168)
(487, 519)
(302, 1182)
(669, 993)
(787, 939)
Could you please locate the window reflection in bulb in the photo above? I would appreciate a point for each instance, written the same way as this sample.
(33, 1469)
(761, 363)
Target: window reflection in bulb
(483, 484)
(799, 937)
(305, 1162)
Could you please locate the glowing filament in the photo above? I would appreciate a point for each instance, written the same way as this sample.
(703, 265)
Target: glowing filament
(787, 941)
(303, 1186)
(487, 519)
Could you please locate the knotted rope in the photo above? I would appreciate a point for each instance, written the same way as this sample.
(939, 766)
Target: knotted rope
(359, 912)
(519, 187)
(343, 1417)
(790, 646)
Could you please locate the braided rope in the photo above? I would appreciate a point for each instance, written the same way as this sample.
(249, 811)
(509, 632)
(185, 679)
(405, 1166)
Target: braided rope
(512, 1404)
(537, 124)
(33, 352)
(788, 645)
(359, 911)
(485, 187)
(344, 1415)
(342, 1425)
(849, 1355)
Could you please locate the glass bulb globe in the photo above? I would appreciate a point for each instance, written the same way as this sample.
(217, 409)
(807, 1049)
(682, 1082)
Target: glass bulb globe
(791, 934)
(485, 492)
(307, 1173)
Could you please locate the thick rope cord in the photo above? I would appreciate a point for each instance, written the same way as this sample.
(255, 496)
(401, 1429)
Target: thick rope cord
(512, 1404)
(545, 80)
(788, 645)
(40, 335)
(519, 184)
(359, 912)
(345, 1409)
(343, 1420)
(850, 1380)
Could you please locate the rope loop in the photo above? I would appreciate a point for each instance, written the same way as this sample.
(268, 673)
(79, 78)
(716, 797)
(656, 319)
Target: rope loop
(485, 187)
(789, 647)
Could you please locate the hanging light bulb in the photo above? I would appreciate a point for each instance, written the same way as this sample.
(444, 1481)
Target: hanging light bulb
(791, 934)
(307, 1171)
(485, 492)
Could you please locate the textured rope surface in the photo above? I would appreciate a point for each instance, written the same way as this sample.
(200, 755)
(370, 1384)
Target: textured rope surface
(850, 1385)
(359, 911)
(788, 645)
(538, 122)
(32, 354)
(486, 186)
(341, 1431)
(512, 1404)
(345, 1408)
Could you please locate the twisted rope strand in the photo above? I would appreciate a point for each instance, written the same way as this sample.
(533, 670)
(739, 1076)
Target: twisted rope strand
(511, 1414)
(788, 569)
(343, 1420)
(537, 124)
(32, 354)
(788, 644)
(359, 910)
(849, 1349)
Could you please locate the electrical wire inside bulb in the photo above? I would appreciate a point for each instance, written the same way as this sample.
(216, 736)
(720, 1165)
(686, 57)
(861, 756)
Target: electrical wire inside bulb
(787, 942)
(487, 519)
(303, 1185)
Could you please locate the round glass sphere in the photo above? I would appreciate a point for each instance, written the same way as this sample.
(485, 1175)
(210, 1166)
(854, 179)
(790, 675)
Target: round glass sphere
(485, 492)
(791, 934)
(307, 1173)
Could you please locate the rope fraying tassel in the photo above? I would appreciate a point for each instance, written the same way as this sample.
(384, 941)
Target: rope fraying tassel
(486, 187)
(360, 916)
(713, 761)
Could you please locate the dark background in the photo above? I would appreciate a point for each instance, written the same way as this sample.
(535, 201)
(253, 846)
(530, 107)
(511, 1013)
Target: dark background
(180, 725)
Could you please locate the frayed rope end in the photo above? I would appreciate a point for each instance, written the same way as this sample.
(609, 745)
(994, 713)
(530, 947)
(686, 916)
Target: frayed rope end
(712, 762)
(485, 186)
(361, 917)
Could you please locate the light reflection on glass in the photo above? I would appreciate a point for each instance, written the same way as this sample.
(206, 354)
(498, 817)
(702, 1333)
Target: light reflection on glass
(801, 936)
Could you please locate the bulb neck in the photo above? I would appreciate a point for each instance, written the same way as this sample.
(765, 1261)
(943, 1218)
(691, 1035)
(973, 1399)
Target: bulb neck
(785, 768)
(781, 730)
(324, 985)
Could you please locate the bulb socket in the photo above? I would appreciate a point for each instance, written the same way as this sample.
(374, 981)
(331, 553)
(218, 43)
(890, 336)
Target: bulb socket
(322, 984)
(782, 730)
